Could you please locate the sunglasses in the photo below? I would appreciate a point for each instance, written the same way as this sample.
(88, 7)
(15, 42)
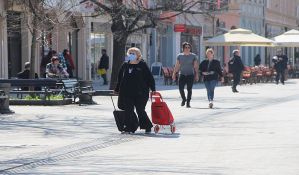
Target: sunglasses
(131, 53)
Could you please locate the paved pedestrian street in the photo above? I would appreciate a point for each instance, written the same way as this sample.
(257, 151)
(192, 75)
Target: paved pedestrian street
(254, 132)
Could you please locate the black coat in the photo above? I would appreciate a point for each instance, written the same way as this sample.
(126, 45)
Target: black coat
(134, 80)
(257, 60)
(235, 65)
(104, 62)
(281, 62)
(214, 68)
(25, 74)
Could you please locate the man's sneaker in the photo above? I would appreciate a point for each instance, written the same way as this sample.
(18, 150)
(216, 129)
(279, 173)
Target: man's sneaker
(183, 103)
(233, 89)
(188, 104)
(211, 105)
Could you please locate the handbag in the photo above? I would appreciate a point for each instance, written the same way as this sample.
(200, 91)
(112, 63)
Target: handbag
(101, 71)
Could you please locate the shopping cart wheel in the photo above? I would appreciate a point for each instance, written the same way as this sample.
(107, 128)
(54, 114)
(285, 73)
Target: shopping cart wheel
(172, 128)
(157, 128)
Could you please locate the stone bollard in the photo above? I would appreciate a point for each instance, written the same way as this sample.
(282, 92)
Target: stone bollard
(4, 103)
(85, 98)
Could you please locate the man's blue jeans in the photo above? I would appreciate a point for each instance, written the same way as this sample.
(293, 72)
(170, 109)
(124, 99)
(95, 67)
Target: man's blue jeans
(210, 86)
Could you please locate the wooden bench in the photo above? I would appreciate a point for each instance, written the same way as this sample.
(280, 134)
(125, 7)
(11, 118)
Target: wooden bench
(71, 88)
(18, 86)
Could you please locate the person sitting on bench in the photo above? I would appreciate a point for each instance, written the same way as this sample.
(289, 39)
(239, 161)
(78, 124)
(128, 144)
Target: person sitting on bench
(55, 70)
(25, 74)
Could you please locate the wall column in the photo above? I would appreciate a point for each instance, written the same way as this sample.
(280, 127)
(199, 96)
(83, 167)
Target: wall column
(3, 47)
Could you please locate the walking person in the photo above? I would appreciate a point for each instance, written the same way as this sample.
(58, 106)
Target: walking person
(211, 71)
(104, 66)
(257, 60)
(134, 82)
(236, 67)
(187, 66)
(280, 65)
(69, 62)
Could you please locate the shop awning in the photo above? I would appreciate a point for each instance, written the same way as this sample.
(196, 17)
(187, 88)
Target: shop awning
(239, 37)
(287, 39)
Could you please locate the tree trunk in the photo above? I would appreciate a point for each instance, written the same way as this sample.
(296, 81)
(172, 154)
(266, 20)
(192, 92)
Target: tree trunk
(33, 48)
(119, 50)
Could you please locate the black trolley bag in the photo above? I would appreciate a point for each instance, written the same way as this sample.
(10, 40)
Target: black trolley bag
(119, 116)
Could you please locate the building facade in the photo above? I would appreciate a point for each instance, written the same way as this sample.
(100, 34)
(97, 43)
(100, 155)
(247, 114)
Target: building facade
(87, 36)
(247, 14)
(280, 16)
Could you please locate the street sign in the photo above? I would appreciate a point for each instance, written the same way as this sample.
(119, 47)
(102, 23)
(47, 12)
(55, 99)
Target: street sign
(179, 27)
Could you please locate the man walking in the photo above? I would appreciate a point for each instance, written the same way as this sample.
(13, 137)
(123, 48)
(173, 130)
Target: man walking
(280, 65)
(236, 67)
(103, 66)
(187, 66)
(257, 60)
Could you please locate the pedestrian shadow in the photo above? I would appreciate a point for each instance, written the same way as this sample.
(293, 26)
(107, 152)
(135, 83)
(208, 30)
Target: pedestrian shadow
(253, 93)
(158, 135)
(214, 108)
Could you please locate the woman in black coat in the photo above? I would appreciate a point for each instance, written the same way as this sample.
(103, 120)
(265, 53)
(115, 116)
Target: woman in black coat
(210, 69)
(134, 81)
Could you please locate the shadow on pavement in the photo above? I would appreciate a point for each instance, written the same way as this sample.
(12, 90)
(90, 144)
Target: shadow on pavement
(159, 135)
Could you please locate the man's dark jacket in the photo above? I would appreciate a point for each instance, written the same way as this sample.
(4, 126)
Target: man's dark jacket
(281, 63)
(235, 64)
(104, 62)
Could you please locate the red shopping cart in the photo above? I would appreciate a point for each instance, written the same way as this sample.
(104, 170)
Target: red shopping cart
(161, 114)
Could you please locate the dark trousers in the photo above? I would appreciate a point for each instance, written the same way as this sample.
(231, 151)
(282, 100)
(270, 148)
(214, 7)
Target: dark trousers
(183, 80)
(131, 122)
(104, 76)
(210, 86)
(237, 77)
(70, 72)
(280, 75)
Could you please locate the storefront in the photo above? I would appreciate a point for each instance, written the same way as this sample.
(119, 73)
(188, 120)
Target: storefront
(164, 44)
(98, 40)
(192, 35)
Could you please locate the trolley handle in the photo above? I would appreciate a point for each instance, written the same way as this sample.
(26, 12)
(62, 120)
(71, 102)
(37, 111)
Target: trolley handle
(156, 94)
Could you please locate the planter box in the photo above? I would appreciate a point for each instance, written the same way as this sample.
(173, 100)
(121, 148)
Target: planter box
(41, 102)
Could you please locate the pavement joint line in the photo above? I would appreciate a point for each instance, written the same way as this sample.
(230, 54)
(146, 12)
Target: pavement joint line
(81, 148)
(218, 114)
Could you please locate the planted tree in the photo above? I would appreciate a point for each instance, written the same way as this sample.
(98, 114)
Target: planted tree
(42, 16)
(128, 17)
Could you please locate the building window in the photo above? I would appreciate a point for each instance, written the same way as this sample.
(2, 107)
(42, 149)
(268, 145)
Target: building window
(268, 5)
